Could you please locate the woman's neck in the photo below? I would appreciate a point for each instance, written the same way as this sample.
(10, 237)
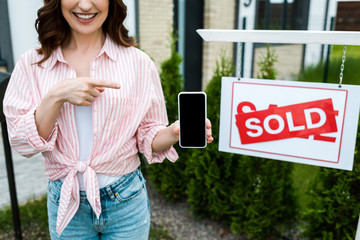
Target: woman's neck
(80, 50)
(81, 42)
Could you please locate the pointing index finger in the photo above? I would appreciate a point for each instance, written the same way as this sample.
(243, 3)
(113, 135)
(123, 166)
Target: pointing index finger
(105, 84)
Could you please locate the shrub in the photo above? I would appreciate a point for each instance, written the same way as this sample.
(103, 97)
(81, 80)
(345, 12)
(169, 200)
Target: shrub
(167, 177)
(334, 210)
(264, 194)
(266, 64)
(264, 198)
(211, 172)
(253, 195)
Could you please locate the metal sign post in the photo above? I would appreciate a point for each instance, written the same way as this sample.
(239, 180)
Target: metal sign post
(4, 79)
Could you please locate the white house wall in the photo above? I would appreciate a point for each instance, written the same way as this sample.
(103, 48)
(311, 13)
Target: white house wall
(130, 21)
(22, 15)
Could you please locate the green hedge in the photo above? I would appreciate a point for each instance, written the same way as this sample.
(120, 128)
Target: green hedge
(334, 212)
(334, 209)
(264, 199)
(254, 196)
(210, 171)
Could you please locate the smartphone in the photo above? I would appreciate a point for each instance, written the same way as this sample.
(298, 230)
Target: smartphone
(192, 118)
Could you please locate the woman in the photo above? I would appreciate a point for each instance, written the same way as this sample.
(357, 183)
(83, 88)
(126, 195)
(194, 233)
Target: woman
(89, 102)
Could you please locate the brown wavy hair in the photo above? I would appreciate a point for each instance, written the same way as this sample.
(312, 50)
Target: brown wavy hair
(53, 30)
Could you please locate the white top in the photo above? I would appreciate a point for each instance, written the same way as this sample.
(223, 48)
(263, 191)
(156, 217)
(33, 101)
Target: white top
(84, 122)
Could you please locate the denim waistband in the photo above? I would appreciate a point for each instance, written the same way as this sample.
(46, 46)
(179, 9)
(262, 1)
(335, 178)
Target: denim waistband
(108, 191)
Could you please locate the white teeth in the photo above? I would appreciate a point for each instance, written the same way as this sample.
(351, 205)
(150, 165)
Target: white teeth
(85, 16)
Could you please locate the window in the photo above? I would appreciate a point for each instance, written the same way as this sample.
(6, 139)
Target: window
(282, 14)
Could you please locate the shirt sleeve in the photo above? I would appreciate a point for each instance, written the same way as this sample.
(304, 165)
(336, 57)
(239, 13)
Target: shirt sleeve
(155, 119)
(19, 108)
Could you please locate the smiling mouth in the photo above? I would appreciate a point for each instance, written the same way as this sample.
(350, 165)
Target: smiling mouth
(85, 16)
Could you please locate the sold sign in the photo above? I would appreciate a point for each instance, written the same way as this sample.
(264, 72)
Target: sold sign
(276, 123)
(302, 122)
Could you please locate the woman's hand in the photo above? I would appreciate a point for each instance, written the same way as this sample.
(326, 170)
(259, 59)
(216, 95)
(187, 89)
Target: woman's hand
(81, 91)
(78, 91)
(176, 130)
(167, 137)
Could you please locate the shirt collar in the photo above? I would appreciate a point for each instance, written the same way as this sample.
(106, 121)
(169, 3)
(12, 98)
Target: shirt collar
(108, 48)
(54, 58)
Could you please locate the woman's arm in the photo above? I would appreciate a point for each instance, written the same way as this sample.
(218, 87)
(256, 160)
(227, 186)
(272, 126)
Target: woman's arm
(46, 115)
(166, 137)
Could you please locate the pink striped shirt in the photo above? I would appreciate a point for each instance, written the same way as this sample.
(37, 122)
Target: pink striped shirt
(125, 120)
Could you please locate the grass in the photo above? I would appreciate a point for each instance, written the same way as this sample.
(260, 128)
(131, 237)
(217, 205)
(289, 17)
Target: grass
(33, 217)
(34, 222)
(159, 233)
(351, 73)
(351, 51)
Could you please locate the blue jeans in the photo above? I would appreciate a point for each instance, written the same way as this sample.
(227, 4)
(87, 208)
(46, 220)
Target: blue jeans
(125, 212)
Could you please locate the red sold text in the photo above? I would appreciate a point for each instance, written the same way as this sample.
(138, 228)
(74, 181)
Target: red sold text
(276, 123)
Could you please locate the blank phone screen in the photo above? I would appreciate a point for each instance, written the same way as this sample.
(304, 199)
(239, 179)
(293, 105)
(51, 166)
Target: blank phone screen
(192, 115)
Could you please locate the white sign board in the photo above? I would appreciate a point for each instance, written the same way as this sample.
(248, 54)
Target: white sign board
(309, 123)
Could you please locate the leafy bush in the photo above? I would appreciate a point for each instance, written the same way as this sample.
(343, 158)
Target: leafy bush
(211, 172)
(266, 64)
(264, 197)
(334, 210)
(167, 177)
(264, 192)
(253, 195)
